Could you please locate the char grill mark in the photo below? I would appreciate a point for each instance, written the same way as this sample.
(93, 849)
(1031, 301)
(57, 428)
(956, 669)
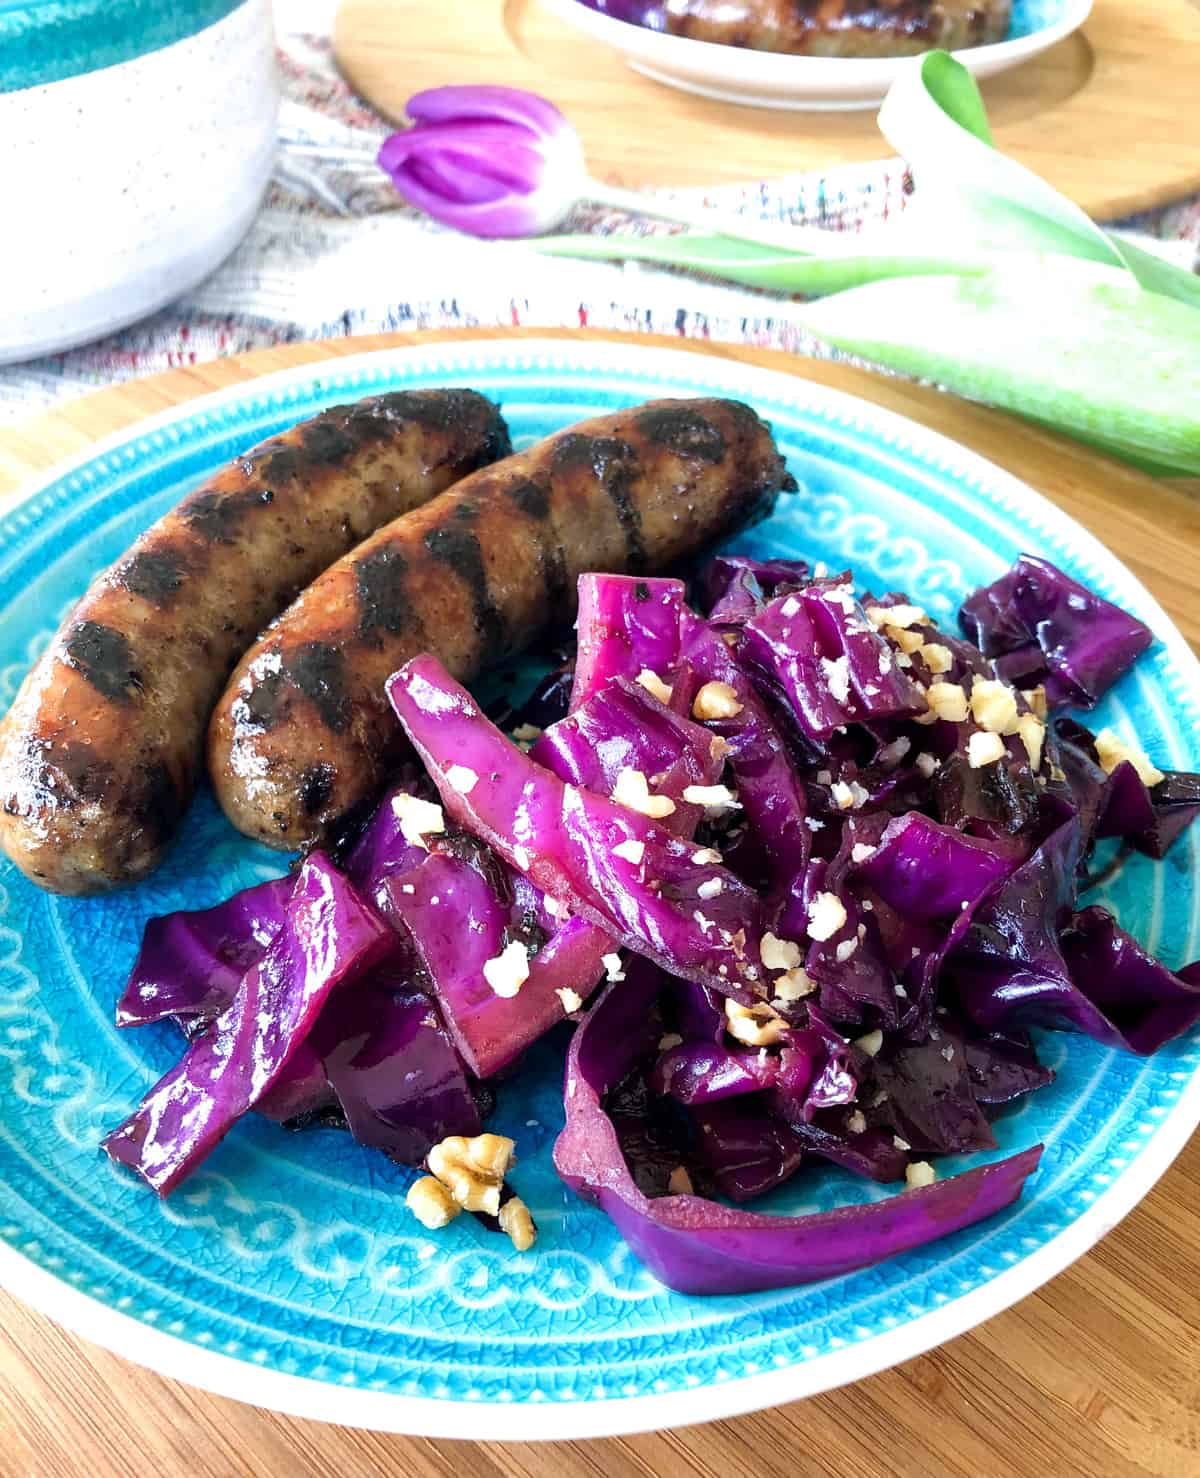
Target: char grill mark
(218, 517)
(155, 574)
(105, 659)
(684, 431)
(614, 465)
(456, 545)
(319, 671)
(383, 604)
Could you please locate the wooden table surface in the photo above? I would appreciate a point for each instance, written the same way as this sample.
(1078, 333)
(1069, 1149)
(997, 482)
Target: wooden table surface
(1109, 116)
(1096, 1374)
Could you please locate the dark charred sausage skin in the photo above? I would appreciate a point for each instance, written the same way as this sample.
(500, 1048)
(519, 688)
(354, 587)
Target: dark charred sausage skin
(100, 751)
(845, 28)
(303, 735)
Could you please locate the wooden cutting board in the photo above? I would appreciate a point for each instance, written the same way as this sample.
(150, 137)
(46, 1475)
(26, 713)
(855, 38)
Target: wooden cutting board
(1094, 1375)
(1110, 116)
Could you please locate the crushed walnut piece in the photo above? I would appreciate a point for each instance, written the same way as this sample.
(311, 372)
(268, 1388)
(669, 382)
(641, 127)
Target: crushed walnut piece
(936, 657)
(907, 641)
(754, 1026)
(571, 1000)
(679, 1183)
(793, 985)
(983, 749)
(1032, 733)
(946, 701)
(461, 779)
(632, 792)
(418, 819)
(431, 1203)
(826, 915)
(716, 700)
(509, 970)
(919, 1173)
(612, 966)
(1036, 698)
(517, 1223)
(1111, 749)
(654, 685)
(472, 1170)
(778, 954)
(994, 705)
(899, 616)
(714, 798)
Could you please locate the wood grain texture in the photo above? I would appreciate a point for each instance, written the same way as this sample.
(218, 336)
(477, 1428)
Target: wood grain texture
(1109, 116)
(1095, 1375)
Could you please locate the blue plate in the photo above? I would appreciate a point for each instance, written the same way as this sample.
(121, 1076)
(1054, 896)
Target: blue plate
(287, 1271)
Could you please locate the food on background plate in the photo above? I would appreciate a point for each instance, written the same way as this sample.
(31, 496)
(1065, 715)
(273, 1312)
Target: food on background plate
(303, 737)
(100, 751)
(824, 859)
(829, 28)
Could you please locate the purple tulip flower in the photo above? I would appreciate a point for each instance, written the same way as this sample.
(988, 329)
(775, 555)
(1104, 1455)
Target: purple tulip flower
(493, 161)
(498, 161)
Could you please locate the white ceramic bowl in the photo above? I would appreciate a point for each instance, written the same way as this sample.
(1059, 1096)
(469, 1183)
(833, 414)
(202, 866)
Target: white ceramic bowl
(762, 79)
(137, 139)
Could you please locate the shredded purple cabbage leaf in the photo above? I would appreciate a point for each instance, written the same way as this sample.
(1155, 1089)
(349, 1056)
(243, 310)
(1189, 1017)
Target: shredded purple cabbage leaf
(831, 902)
(697, 1245)
(327, 934)
(1040, 626)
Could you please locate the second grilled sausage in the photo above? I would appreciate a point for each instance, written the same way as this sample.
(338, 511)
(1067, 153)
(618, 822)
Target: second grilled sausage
(99, 753)
(303, 735)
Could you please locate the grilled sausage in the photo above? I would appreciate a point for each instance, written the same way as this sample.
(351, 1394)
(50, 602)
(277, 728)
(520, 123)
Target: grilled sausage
(303, 735)
(100, 751)
(846, 28)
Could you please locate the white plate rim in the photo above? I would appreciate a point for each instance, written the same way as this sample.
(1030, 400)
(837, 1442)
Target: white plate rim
(302, 1396)
(795, 77)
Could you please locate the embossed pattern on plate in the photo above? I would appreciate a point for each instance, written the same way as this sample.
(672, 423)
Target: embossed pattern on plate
(287, 1271)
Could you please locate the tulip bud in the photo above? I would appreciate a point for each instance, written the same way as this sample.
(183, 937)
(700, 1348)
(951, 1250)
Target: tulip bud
(492, 161)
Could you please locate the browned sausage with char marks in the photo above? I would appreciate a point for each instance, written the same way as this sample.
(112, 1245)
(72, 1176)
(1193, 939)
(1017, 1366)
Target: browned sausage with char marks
(844, 28)
(303, 735)
(100, 751)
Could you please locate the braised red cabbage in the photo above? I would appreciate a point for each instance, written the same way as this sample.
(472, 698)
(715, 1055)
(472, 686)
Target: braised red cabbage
(459, 916)
(815, 649)
(1043, 627)
(393, 1068)
(700, 1246)
(328, 934)
(767, 784)
(624, 727)
(579, 847)
(627, 624)
(930, 872)
(1121, 804)
(190, 963)
(733, 587)
(894, 895)
(1027, 960)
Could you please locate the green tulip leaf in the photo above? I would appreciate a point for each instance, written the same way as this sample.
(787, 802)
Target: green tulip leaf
(1076, 346)
(758, 266)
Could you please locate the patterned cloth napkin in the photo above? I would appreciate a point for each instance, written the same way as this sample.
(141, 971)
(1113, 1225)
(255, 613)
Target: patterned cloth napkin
(334, 251)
